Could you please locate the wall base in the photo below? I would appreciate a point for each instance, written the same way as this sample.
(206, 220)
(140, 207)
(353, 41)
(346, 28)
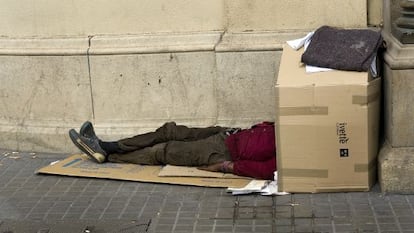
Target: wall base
(396, 169)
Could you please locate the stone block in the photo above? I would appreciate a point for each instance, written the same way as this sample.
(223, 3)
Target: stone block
(245, 87)
(399, 110)
(96, 17)
(396, 169)
(375, 8)
(398, 97)
(142, 91)
(42, 96)
(265, 15)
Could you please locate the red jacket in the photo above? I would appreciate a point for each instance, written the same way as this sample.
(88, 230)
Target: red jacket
(253, 151)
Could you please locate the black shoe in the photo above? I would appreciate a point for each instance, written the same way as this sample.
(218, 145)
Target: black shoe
(90, 146)
(87, 130)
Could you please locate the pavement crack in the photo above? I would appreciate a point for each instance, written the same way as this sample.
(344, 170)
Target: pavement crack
(236, 210)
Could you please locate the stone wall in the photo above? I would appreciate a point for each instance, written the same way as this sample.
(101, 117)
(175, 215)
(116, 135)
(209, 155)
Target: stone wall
(131, 65)
(48, 18)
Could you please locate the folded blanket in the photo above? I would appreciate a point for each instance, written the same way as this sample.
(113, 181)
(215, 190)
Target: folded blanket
(343, 49)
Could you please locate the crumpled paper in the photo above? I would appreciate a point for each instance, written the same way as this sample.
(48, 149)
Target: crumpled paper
(304, 42)
(264, 187)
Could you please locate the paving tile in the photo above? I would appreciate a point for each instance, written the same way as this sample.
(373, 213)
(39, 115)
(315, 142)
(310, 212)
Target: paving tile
(203, 228)
(173, 208)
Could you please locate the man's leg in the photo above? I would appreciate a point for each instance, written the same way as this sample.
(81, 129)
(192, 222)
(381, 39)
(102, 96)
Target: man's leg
(168, 132)
(145, 156)
(181, 153)
(196, 153)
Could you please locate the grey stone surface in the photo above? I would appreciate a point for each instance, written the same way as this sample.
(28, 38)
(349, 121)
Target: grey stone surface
(39, 95)
(245, 86)
(396, 160)
(398, 86)
(396, 166)
(154, 88)
(133, 84)
(404, 24)
(49, 203)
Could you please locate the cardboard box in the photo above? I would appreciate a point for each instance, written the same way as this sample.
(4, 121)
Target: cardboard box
(327, 128)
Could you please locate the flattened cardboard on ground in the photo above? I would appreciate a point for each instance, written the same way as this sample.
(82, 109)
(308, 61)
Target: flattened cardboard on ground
(81, 166)
(327, 128)
(170, 170)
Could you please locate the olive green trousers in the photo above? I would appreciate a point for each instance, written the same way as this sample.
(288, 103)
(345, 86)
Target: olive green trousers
(175, 145)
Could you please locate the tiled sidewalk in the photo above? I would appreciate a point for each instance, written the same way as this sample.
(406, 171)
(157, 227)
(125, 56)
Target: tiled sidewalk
(46, 203)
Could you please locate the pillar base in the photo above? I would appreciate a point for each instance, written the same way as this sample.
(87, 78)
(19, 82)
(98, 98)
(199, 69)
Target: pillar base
(396, 169)
(396, 158)
(404, 35)
(404, 25)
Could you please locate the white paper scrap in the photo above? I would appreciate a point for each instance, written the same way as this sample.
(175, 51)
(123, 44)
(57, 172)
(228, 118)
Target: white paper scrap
(272, 189)
(299, 43)
(316, 69)
(54, 162)
(264, 187)
(304, 42)
(253, 186)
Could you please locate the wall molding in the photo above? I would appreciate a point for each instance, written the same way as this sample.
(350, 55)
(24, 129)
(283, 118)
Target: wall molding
(147, 43)
(398, 56)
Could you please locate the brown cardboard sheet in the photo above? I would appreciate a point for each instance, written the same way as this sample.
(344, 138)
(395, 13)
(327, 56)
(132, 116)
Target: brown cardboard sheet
(81, 166)
(170, 170)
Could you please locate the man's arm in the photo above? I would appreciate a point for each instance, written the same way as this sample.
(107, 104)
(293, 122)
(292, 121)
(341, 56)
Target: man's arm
(226, 167)
(256, 169)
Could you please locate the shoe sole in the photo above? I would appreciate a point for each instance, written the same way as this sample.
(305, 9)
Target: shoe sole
(97, 157)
